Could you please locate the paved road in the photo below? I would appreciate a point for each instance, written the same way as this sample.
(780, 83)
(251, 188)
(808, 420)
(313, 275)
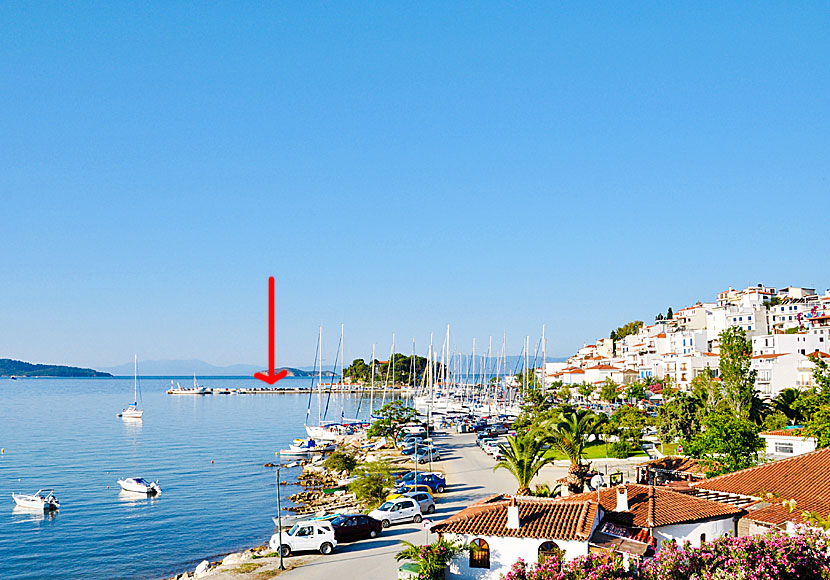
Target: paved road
(470, 477)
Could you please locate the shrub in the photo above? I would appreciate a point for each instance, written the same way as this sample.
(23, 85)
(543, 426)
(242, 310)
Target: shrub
(619, 450)
(340, 461)
(373, 483)
(431, 558)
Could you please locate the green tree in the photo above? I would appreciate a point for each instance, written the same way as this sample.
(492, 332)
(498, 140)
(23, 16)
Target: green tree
(735, 372)
(635, 391)
(626, 329)
(679, 417)
(372, 484)
(609, 391)
(706, 391)
(669, 314)
(628, 423)
(359, 370)
(340, 461)
(564, 393)
(585, 390)
(785, 402)
(728, 443)
(393, 416)
(814, 404)
(523, 456)
(569, 433)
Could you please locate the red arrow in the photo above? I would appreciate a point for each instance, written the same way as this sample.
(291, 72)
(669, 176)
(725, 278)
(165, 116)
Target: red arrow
(271, 377)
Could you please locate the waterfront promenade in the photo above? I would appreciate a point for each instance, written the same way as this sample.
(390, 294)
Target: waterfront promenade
(470, 477)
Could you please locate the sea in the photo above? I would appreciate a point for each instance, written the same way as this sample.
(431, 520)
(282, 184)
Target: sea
(207, 453)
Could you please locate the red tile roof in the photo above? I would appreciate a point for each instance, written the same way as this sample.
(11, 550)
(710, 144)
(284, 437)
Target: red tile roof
(603, 368)
(784, 432)
(802, 478)
(539, 517)
(769, 355)
(653, 507)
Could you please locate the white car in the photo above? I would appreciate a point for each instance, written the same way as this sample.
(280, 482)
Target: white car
(402, 509)
(309, 535)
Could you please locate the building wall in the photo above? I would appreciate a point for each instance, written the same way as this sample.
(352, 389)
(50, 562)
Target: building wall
(504, 552)
(692, 532)
(799, 445)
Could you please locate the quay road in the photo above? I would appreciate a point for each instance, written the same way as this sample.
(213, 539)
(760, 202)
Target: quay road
(470, 477)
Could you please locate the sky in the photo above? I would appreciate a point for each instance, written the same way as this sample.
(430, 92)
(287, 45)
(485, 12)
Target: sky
(398, 167)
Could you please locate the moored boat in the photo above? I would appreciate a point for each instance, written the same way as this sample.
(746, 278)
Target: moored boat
(37, 500)
(140, 485)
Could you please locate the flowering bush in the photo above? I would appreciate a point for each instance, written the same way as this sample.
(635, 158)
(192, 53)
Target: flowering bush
(431, 558)
(603, 566)
(775, 556)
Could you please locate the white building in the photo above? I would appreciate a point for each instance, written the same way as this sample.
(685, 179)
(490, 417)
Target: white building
(632, 519)
(783, 443)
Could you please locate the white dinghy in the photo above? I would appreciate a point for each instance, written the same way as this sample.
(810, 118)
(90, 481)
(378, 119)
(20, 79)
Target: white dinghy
(139, 485)
(37, 500)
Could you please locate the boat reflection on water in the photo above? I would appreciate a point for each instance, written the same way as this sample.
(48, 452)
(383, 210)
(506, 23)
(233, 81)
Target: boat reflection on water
(131, 498)
(22, 515)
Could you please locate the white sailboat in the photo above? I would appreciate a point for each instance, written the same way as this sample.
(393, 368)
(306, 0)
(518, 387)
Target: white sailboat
(132, 411)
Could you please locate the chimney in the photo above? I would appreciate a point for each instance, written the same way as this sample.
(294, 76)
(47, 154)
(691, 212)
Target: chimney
(513, 521)
(622, 499)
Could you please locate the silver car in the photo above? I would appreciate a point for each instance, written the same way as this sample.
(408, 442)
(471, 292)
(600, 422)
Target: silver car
(424, 500)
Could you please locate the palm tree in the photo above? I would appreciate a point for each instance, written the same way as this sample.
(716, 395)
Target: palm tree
(524, 456)
(569, 434)
(785, 402)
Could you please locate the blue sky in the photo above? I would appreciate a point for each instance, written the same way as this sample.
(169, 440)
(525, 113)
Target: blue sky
(397, 167)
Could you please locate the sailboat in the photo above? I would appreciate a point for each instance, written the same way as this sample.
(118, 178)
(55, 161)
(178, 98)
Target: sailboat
(132, 411)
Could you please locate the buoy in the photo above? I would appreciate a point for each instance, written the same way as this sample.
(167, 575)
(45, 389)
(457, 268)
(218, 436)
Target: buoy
(211, 460)
(277, 453)
(3, 450)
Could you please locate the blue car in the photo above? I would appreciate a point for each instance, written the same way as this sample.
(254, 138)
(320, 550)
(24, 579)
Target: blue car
(436, 482)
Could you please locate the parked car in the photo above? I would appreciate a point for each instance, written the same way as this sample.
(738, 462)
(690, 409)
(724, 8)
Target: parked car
(348, 528)
(498, 429)
(434, 480)
(485, 441)
(424, 499)
(306, 536)
(426, 455)
(404, 489)
(403, 509)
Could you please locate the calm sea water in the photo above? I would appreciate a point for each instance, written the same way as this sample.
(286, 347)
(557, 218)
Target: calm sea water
(206, 451)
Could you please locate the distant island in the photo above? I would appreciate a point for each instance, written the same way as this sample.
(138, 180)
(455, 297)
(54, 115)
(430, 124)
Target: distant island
(187, 368)
(16, 368)
(292, 372)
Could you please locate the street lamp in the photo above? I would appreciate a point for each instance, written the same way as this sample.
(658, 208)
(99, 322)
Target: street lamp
(428, 441)
(279, 515)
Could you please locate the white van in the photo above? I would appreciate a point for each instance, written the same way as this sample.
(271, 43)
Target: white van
(308, 535)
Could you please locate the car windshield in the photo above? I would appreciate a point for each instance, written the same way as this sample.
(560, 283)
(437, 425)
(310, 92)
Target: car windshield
(338, 521)
(293, 530)
(385, 506)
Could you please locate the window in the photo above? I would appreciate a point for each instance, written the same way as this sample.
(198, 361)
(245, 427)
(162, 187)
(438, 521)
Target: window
(783, 447)
(548, 549)
(702, 539)
(479, 554)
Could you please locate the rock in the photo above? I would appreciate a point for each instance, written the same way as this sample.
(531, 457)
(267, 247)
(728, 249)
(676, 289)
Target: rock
(185, 576)
(201, 569)
(238, 558)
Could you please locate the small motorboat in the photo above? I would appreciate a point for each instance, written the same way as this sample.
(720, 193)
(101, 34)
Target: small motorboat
(139, 485)
(37, 500)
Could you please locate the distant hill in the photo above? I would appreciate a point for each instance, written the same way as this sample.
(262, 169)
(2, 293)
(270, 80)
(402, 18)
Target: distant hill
(9, 367)
(186, 368)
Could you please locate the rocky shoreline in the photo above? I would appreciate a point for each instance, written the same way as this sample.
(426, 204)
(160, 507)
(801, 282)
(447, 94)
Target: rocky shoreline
(324, 493)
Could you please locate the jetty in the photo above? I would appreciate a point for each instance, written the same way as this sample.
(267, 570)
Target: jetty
(288, 391)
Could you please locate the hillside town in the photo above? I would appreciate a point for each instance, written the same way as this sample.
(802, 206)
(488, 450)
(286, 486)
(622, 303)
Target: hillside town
(786, 326)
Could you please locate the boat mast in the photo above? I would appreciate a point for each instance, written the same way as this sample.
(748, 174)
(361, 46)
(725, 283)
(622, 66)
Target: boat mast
(342, 372)
(320, 382)
(544, 360)
(135, 381)
(527, 363)
(372, 394)
(473, 357)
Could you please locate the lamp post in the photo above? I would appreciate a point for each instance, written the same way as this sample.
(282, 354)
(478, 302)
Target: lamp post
(428, 441)
(279, 515)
